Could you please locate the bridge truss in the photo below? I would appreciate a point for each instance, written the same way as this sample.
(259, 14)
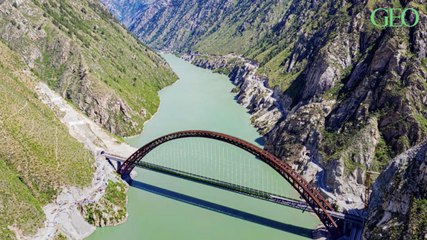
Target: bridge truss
(318, 204)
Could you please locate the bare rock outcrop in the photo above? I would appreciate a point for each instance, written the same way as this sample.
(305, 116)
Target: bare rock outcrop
(398, 205)
(349, 97)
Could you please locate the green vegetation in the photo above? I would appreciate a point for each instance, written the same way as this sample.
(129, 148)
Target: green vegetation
(18, 206)
(111, 208)
(422, 121)
(225, 71)
(334, 92)
(334, 143)
(90, 59)
(116, 193)
(418, 219)
(419, 6)
(81, 52)
(371, 4)
(382, 156)
(276, 71)
(133, 79)
(224, 28)
(345, 151)
(341, 145)
(241, 28)
(37, 154)
(61, 236)
(351, 143)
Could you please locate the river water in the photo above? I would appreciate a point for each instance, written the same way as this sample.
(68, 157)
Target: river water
(162, 207)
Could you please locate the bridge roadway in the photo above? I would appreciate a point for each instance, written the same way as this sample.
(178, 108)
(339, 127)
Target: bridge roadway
(311, 195)
(282, 200)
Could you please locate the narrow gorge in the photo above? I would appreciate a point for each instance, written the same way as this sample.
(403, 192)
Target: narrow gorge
(340, 100)
(333, 96)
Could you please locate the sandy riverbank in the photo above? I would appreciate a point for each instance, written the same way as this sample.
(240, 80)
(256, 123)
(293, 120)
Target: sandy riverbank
(63, 215)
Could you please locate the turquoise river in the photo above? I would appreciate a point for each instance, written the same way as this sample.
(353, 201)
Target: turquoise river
(165, 207)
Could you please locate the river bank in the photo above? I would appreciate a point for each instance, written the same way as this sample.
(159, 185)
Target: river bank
(296, 128)
(63, 215)
(203, 100)
(251, 89)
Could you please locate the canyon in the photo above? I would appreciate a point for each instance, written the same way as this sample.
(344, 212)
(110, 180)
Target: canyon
(344, 98)
(341, 101)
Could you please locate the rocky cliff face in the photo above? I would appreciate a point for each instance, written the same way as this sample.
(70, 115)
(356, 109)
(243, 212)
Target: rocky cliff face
(250, 88)
(360, 87)
(350, 96)
(398, 206)
(82, 53)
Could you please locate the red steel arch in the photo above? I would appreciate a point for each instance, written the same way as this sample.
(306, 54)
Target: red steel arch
(313, 198)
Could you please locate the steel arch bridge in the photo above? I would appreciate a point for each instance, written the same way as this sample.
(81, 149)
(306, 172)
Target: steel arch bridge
(320, 206)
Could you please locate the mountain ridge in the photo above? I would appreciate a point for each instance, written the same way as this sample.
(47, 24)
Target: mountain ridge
(85, 55)
(80, 51)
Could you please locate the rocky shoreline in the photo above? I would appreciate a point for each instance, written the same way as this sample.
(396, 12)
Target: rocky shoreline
(262, 103)
(64, 216)
(251, 89)
(272, 117)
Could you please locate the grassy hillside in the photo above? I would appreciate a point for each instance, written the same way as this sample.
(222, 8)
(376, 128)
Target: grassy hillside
(242, 27)
(216, 27)
(90, 59)
(81, 52)
(37, 155)
(322, 51)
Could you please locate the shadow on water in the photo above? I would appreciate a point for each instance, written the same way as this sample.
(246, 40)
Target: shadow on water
(305, 232)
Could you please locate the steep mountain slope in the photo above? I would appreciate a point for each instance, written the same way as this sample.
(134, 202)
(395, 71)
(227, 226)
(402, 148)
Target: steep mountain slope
(398, 204)
(37, 154)
(351, 96)
(210, 26)
(357, 100)
(81, 52)
(87, 57)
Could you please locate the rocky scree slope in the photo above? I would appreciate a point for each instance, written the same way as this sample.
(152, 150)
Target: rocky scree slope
(351, 96)
(80, 50)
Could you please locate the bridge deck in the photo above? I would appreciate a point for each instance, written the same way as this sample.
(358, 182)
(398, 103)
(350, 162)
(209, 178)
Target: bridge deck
(282, 200)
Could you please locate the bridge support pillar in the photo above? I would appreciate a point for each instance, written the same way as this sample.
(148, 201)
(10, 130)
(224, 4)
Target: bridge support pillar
(126, 177)
(345, 229)
(351, 231)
